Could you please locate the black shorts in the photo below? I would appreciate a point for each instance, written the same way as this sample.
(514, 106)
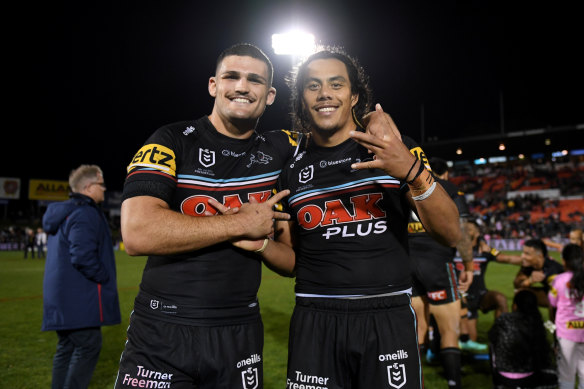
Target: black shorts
(364, 343)
(473, 302)
(161, 354)
(436, 280)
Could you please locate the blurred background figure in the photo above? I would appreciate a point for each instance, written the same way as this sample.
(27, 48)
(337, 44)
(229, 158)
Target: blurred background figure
(40, 242)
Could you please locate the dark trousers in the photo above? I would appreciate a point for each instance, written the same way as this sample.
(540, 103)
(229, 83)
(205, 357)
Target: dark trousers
(76, 357)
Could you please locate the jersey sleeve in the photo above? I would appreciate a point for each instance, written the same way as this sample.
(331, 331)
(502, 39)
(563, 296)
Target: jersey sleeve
(152, 170)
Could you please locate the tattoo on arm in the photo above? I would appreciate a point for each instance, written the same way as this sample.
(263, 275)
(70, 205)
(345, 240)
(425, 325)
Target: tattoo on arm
(464, 246)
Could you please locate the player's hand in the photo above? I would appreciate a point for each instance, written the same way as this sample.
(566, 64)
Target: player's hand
(383, 139)
(484, 247)
(465, 279)
(537, 276)
(258, 218)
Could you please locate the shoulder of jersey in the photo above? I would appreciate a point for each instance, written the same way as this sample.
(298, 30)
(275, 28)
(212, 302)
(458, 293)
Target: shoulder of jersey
(293, 138)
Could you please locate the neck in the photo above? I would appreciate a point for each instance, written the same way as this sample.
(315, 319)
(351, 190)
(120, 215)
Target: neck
(328, 138)
(233, 128)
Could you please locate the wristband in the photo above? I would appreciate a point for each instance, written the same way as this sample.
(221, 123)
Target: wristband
(261, 249)
(420, 170)
(426, 194)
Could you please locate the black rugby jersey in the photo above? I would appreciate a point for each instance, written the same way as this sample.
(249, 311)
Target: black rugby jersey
(185, 164)
(351, 224)
(422, 246)
(480, 262)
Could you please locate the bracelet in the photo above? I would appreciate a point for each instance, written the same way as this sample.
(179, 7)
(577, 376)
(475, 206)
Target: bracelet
(426, 194)
(409, 171)
(420, 170)
(261, 249)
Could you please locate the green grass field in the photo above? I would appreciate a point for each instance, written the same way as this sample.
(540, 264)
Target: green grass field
(26, 352)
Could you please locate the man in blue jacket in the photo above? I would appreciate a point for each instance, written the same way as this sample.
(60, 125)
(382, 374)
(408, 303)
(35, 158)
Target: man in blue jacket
(79, 288)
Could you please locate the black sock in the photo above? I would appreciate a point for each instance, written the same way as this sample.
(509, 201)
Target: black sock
(450, 358)
(464, 338)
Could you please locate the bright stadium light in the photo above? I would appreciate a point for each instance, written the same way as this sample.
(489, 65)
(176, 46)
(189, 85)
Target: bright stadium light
(296, 43)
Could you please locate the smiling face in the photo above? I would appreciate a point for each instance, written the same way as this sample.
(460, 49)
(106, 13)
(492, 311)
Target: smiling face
(532, 257)
(328, 101)
(241, 90)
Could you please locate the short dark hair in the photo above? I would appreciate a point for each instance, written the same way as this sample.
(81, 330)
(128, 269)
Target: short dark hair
(357, 77)
(438, 165)
(247, 50)
(538, 245)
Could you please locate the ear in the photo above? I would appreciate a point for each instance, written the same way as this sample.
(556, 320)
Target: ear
(354, 100)
(271, 96)
(212, 87)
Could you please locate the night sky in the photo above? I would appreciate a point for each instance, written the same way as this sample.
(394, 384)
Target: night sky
(88, 82)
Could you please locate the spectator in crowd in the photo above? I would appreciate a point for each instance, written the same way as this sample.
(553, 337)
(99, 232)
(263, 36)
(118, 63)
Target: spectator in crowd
(575, 237)
(566, 296)
(520, 353)
(79, 288)
(29, 243)
(536, 271)
(41, 242)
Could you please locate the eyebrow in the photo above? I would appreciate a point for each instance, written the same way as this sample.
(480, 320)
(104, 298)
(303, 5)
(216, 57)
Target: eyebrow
(330, 79)
(250, 76)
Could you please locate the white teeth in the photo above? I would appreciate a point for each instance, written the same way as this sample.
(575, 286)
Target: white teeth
(240, 100)
(326, 109)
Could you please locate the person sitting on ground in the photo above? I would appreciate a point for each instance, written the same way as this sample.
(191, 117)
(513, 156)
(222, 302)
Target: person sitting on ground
(520, 353)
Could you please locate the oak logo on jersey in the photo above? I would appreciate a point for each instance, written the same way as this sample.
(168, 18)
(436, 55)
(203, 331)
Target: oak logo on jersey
(396, 374)
(155, 156)
(250, 378)
(206, 157)
(306, 174)
(198, 205)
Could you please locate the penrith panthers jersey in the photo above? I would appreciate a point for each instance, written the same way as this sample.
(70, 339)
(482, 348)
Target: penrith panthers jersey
(186, 164)
(351, 225)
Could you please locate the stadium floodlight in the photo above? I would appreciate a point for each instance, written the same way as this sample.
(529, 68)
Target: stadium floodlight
(502, 146)
(459, 151)
(296, 43)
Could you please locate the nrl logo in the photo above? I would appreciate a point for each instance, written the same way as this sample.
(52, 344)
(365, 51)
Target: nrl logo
(249, 378)
(306, 174)
(206, 157)
(154, 304)
(396, 374)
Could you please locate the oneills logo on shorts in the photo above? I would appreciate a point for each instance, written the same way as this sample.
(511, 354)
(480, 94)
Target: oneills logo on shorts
(206, 157)
(249, 378)
(306, 174)
(154, 304)
(396, 374)
(155, 156)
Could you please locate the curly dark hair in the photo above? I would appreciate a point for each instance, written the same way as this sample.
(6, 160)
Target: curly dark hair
(357, 77)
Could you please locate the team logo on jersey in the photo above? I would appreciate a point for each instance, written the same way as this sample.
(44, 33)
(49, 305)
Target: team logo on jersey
(206, 157)
(249, 378)
(396, 374)
(259, 158)
(154, 304)
(306, 174)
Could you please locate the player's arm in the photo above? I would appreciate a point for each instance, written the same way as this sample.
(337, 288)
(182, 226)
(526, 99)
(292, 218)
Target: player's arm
(150, 227)
(499, 256)
(279, 254)
(434, 207)
(552, 244)
(521, 280)
(464, 248)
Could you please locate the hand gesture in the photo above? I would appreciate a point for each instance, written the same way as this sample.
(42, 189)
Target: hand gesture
(383, 139)
(465, 280)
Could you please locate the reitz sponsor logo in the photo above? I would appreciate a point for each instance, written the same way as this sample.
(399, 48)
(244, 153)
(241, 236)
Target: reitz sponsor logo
(155, 156)
(400, 354)
(396, 374)
(206, 157)
(147, 379)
